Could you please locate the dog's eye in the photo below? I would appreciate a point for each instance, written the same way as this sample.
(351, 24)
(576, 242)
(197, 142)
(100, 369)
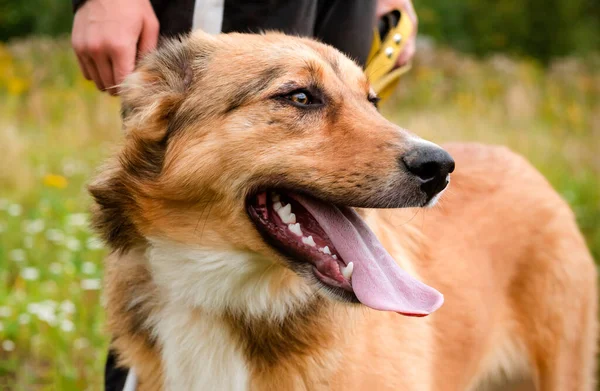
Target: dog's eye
(374, 99)
(302, 98)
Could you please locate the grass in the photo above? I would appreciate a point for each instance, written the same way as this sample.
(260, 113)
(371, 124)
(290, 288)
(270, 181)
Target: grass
(55, 129)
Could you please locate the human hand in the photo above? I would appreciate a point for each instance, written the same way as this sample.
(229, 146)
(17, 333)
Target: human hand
(108, 36)
(407, 9)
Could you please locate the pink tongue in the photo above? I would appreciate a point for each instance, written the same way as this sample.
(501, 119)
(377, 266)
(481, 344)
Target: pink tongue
(377, 280)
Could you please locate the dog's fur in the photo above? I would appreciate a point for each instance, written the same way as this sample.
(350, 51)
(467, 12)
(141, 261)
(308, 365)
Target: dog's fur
(197, 300)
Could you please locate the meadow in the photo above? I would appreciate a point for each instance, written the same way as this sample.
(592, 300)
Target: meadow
(55, 129)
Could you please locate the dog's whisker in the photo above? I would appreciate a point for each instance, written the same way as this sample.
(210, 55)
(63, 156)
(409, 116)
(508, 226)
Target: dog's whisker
(210, 206)
(407, 221)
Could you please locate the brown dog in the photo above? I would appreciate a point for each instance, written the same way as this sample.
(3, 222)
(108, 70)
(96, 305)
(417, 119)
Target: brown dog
(237, 253)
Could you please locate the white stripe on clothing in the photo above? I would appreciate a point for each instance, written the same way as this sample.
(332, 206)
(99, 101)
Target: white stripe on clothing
(208, 15)
(131, 381)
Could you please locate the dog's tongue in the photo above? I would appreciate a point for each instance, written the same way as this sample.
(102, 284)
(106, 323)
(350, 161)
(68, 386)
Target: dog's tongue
(378, 282)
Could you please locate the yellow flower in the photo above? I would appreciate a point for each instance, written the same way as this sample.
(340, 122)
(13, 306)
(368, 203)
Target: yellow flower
(16, 86)
(58, 181)
(465, 100)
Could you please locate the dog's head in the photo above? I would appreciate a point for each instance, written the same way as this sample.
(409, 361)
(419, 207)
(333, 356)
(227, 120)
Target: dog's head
(259, 145)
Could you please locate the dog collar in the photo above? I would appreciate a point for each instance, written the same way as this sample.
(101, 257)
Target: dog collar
(389, 40)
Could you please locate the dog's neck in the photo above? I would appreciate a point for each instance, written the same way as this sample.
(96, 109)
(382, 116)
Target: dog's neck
(225, 281)
(229, 317)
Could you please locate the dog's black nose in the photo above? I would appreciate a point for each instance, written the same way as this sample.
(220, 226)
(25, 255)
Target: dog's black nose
(431, 164)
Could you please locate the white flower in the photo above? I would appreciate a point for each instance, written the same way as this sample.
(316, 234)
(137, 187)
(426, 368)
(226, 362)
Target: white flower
(94, 244)
(24, 319)
(44, 311)
(55, 235)
(30, 273)
(5, 311)
(17, 255)
(88, 268)
(8, 345)
(73, 244)
(47, 315)
(34, 226)
(90, 284)
(67, 326)
(14, 210)
(67, 307)
(32, 308)
(77, 220)
(55, 268)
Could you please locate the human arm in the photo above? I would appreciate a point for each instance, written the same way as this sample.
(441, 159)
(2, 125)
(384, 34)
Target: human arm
(109, 35)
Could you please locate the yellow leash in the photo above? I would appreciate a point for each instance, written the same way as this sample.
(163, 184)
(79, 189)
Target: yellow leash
(389, 40)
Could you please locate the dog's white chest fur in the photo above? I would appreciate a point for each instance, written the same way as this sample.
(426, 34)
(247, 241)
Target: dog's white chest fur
(199, 353)
(199, 285)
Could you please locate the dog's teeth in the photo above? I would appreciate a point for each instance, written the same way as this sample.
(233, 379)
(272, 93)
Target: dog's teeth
(310, 241)
(277, 205)
(289, 219)
(287, 209)
(325, 250)
(275, 197)
(347, 270)
(284, 212)
(335, 257)
(295, 228)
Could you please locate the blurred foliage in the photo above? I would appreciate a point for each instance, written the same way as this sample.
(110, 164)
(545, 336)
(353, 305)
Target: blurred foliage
(20, 18)
(542, 29)
(54, 127)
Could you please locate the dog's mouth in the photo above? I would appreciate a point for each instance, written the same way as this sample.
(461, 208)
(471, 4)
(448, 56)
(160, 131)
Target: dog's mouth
(341, 251)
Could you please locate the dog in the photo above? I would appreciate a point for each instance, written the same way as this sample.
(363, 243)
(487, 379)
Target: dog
(260, 217)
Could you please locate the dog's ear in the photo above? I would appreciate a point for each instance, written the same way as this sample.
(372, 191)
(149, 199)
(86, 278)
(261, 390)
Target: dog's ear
(150, 97)
(154, 91)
